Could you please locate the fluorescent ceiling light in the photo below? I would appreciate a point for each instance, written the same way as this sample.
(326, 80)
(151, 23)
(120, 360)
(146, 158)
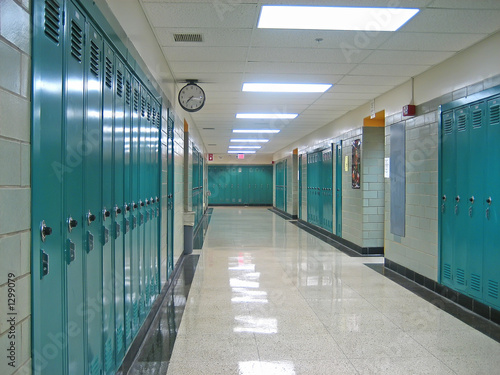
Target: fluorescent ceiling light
(241, 152)
(267, 115)
(286, 87)
(271, 131)
(334, 18)
(249, 140)
(241, 147)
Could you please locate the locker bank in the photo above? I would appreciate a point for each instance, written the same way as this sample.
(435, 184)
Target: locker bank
(352, 229)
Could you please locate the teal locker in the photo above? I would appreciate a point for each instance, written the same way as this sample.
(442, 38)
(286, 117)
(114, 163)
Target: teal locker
(239, 185)
(107, 201)
(156, 125)
(338, 189)
(48, 261)
(300, 186)
(475, 201)
(448, 192)
(136, 233)
(118, 214)
(327, 189)
(128, 211)
(460, 209)
(92, 202)
(269, 185)
(170, 193)
(491, 203)
(72, 186)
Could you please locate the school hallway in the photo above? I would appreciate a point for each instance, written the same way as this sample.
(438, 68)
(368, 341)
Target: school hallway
(269, 298)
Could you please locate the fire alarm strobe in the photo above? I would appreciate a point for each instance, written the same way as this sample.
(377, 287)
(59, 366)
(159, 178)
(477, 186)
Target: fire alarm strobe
(409, 110)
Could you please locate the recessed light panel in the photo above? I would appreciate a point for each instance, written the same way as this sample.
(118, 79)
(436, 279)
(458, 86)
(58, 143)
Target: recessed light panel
(250, 140)
(286, 87)
(334, 18)
(248, 131)
(241, 152)
(247, 147)
(288, 116)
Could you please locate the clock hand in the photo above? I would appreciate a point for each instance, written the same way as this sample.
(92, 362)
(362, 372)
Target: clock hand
(199, 98)
(187, 101)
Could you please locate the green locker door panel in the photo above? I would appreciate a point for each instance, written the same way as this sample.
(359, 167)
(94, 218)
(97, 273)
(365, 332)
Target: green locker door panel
(47, 289)
(338, 189)
(448, 193)
(492, 217)
(461, 199)
(72, 185)
(128, 210)
(107, 201)
(118, 209)
(136, 234)
(326, 189)
(476, 200)
(300, 186)
(170, 192)
(92, 200)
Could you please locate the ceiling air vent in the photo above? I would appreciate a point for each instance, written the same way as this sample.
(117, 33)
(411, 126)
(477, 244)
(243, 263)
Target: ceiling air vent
(188, 38)
(208, 128)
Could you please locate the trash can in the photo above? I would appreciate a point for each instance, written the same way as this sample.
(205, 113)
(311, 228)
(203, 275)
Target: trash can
(188, 232)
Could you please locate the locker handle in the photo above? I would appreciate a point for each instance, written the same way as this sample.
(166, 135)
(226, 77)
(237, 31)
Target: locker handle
(45, 230)
(134, 205)
(118, 210)
(147, 202)
(141, 203)
(157, 199)
(105, 214)
(457, 198)
(471, 199)
(488, 200)
(127, 207)
(443, 197)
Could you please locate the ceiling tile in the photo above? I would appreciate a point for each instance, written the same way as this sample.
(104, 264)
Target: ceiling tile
(305, 55)
(389, 70)
(407, 57)
(403, 41)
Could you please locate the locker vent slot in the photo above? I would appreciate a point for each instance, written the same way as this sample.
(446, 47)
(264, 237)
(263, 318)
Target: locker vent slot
(143, 107)
(128, 92)
(76, 41)
(119, 338)
(108, 354)
(149, 112)
(52, 20)
(136, 100)
(460, 276)
(495, 114)
(477, 117)
(109, 72)
(475, 282)
(462, 123)
(119, 83)
(493, 288)
(447, 271)
(94, 59)
(158, 120)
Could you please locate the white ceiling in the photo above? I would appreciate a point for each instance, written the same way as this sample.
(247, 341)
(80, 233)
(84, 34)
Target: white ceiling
(360, 65)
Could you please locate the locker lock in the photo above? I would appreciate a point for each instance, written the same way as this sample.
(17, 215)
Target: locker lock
(443, 198)
(157, 199)
(105, 214)
(134, 205)
(471, 199)
(141, 203)
(488, 200)
(127, 207)
(147, 202)
(90, 217)
(151, 200)
(72, 223)
(117, 210)
(45, 230)
(457, 198)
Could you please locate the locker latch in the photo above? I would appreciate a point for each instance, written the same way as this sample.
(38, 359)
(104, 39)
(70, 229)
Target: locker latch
(90, 217)
(105, 235)
(488, 208)
(117, 210)
(44, 230)
(127, 226)
(117, 230)
(44, 263)
(70, 250)
(72, 223)
(457, 199)
(90, 241)
(471, 200)
(105, 214)
(443, 198)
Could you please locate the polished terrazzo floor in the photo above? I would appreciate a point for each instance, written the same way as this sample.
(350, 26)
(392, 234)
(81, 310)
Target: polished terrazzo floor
(269, 298)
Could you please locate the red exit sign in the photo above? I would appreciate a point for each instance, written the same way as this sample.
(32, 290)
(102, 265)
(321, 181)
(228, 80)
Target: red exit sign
(210, 157)
(241, 156)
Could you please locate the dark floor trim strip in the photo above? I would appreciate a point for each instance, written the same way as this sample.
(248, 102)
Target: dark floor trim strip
(137, 345)
(238, 205)
(282, 214)
(445, 298)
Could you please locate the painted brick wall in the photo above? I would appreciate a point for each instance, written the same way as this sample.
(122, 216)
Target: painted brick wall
(15, 201)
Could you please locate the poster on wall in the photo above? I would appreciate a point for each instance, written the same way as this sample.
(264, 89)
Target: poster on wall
(356, 164)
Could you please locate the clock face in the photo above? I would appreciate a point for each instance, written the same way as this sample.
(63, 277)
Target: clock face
(191, 97)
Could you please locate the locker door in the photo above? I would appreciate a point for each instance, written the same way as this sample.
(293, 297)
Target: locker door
(327, 183)
(460, 199)
(118, 208)
(269, 185)
(300, 186)
(128, 210)
(107, 208)
(338, 189)
(155, 255)
(448, 192)
(491, 206)
(285, 185)
(475, 201)
(92, 199)
(170, 193)
(72, 187)
(137, 216)
(47, 258)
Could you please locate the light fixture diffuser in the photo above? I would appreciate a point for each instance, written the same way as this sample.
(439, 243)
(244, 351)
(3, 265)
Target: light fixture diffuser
(241, 152)
(288, 116)
(242, 147)
(260, 140)
(334, 18)
(286, 87)
(249, 131)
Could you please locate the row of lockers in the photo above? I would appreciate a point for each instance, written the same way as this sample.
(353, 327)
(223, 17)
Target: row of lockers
(197, 185)
(320, 188)
(470, 197)
(281, 185)
(240, 185)
(96, 195)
